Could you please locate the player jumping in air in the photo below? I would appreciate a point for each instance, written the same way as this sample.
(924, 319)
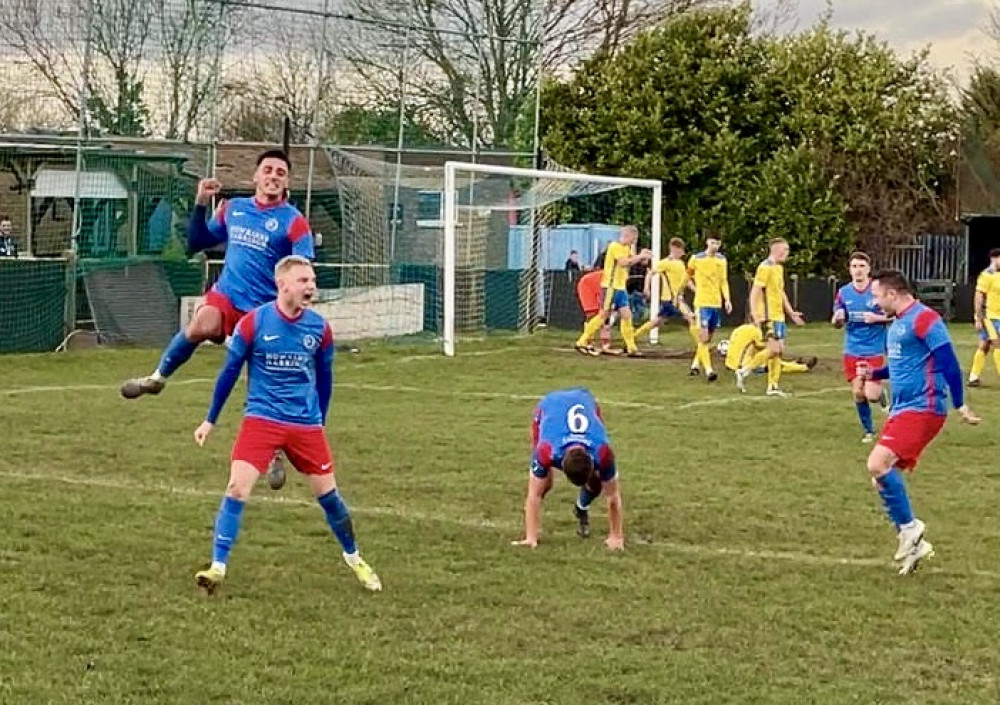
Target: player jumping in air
(257, 232)
(289, 351)
(986, 307)
(768, 305)
(864, 339)
(568, 434)
(617, 261)
(709, 277)
(673, 278)
(924, 371)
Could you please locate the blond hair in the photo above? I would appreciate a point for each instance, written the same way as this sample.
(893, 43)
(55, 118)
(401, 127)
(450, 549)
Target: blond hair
(286, 263)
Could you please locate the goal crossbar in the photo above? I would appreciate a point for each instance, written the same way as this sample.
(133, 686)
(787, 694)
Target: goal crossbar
(450, 207)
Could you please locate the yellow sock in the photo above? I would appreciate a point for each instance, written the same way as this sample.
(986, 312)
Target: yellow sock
(978, 363)
(695, 332)
(773, 371)
(645, 328)
(590, 329)
(628, 334)
(759, 360)
(704, 357)
(996, 358)
(787, 366)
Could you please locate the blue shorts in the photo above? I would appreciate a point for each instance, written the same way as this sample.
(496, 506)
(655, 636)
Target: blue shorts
(619, 300)
(709, 318)
(991, 326)
(669, 310)
(778, 330)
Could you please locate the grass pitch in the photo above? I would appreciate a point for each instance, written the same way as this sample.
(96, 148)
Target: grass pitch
(757, 570)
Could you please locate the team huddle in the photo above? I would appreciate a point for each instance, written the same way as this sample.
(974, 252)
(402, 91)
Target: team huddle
(261, 306)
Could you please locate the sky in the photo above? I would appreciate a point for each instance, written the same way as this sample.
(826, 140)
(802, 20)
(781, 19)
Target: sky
(955, 29)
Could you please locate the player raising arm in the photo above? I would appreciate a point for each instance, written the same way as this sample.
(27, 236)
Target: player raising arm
(864, 339)
(568, 434)
(257, 232)
(289, 350)
(924, 370)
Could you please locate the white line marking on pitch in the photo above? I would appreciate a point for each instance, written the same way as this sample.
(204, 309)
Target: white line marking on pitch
(85, 387)
(761, 397)
(506, 526)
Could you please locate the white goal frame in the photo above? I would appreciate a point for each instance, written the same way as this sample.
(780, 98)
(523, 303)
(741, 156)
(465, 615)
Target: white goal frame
(451, 170)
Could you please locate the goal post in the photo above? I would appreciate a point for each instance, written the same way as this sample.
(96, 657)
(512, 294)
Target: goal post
(547, 189)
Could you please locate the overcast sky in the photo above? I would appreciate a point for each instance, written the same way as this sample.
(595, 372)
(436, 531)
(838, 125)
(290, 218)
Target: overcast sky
(953, 28)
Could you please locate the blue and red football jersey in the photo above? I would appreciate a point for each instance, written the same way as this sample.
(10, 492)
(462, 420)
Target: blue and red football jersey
(565, 418)
(860, 339)
(916, 385)
(290, 366)
(257, 237)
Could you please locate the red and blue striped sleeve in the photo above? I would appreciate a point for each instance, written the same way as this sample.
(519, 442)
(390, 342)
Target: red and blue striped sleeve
(929, 327)
(324, 370)
(300, 235)
(240, 347)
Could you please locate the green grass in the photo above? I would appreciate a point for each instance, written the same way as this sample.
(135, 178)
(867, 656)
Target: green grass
(765, 575)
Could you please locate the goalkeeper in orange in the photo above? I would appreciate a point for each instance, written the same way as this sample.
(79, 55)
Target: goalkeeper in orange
(617, 260)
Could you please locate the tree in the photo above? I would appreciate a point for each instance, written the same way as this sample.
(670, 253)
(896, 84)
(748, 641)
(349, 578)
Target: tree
(473, 64)
(822, 139)
(357, 124)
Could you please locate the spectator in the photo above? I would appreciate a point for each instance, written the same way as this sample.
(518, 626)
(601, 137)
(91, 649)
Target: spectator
(8, 244)
(573, 263)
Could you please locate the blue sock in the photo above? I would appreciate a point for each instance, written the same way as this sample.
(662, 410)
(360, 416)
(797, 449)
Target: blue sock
(892, 489)
(339, 520)
(178, 351)
(585, 499)
(227, 528)
(865, 414)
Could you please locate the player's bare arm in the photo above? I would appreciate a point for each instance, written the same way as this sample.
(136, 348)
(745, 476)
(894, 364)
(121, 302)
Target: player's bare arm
(616, 515)
(756, 292)
(533, 510)
(796, 316)
(978, 305)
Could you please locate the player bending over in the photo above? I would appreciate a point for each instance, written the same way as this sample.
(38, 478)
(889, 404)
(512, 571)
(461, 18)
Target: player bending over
(924, 370)
(673, 278)
(864, 339)
(289, 351)
(617, 261)
(745, 343)
(986, 305)
(568, 434)
(709, 278)
(768, 305)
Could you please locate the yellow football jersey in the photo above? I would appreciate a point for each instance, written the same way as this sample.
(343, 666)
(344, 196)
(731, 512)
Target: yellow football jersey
(743, 342)
(711, 279)
(615, 276)
(988, 284)
(673, 277)
(770, 277)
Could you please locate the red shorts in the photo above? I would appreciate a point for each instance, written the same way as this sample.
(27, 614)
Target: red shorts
(908, 433)
(230, 314)
(851, 364)
(305, 446)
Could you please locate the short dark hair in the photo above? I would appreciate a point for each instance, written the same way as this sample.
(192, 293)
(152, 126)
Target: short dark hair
(573, 252)
(275, 154)
(995, 252)
(863, 257)
(7, 217)
(893, 279)
(676, 242)
(712, 234)
(577, 465)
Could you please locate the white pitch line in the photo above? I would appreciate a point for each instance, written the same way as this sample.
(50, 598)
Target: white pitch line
(85, 387)
(759, 397)
(726, 552)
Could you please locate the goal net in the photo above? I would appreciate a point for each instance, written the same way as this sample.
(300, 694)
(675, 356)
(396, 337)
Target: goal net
(482, 247)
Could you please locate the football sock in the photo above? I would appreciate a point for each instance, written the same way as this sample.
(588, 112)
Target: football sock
(339, 520)
(773, 372)
(704, 357)
(643, 329)
(178, 351)
(628, 334)
(892, 489)
(788, 366)
(227, 528)
(865, 414)
(585, 499)
(996, 358)
(978, 363)
(590, 329)
(759, 359)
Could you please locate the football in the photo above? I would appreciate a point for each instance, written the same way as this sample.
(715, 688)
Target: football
(723, 347)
